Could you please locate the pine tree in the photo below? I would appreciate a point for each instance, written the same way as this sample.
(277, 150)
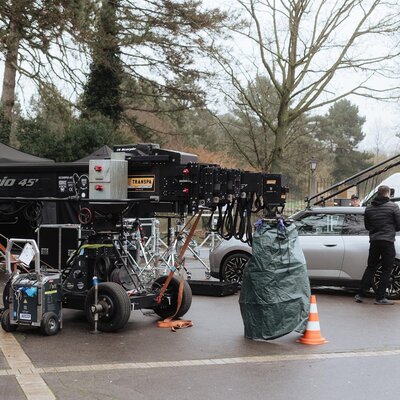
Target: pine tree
(340, 130)
(102, 92)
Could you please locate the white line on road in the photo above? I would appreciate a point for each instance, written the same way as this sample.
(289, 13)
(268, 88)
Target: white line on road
(198, 362)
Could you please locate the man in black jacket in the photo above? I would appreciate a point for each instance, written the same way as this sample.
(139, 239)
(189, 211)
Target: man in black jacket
(382, 220)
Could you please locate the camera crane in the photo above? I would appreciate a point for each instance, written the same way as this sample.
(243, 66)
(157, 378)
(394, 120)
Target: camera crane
(138, 181)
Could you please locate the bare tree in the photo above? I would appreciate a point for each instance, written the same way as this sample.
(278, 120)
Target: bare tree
(307, 49)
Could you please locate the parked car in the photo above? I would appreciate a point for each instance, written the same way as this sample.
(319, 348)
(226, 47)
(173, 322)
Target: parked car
(335, 244)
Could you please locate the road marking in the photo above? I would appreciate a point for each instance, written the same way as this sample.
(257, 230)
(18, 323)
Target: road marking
(32, 384)
(25, 368)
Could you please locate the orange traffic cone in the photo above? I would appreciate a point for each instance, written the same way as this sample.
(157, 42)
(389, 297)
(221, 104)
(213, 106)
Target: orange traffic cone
(312, 334)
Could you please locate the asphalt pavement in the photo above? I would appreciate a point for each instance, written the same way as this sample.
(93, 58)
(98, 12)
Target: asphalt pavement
(212, 359)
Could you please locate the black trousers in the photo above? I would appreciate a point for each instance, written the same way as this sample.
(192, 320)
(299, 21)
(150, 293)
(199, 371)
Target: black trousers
(380, 251)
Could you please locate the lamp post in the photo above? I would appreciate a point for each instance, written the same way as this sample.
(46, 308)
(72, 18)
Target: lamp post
(313, 182)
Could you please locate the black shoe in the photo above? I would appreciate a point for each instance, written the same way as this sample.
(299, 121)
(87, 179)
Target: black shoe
(384, 302)
(358, 298)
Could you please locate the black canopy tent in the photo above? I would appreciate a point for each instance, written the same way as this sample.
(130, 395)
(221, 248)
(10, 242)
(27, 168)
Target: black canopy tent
(15, 216)
(10, 155)
(101, 153)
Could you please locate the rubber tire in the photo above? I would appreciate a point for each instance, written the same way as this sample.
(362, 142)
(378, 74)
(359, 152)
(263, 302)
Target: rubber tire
(236, 261)
(393, 290)
(114, 296)
(164, 309)
(6, 294)
(50, 324)
(5, 322)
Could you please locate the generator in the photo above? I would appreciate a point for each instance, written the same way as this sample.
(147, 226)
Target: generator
(34, 298)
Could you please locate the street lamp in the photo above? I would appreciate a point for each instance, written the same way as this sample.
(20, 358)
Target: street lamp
(313, 164)
(313, 183)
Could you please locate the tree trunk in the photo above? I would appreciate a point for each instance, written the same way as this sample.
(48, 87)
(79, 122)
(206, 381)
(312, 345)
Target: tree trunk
(10, 71)
(280, 135)
(277, 152)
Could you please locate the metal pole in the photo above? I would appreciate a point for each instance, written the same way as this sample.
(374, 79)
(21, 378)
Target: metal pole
(313, 183)
(95, 309)
(349, 180)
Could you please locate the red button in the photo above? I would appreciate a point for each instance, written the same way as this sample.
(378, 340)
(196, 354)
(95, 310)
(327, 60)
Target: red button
(185, 190)
(99, 187)
(98, 168)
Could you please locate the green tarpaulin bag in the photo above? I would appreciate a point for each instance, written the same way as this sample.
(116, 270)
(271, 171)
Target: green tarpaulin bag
(275, 294)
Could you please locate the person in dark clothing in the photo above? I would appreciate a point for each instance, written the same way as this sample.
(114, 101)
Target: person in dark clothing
(382, 220)
(354, 201)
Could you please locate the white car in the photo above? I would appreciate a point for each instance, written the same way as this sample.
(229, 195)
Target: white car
(335, 244)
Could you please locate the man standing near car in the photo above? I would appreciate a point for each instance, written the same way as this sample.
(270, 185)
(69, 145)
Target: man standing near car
(382, 220)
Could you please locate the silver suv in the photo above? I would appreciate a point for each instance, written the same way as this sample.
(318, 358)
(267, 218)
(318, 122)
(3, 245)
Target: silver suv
(335, 244)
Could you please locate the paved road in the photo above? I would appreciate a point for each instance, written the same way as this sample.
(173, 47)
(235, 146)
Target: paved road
(211, 360)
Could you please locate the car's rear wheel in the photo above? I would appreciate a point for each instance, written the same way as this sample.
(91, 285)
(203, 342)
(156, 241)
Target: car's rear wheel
(393, 290)
(232, 267)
